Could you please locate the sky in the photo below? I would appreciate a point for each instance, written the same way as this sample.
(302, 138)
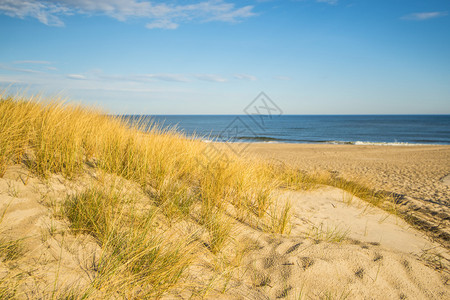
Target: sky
(216, 56)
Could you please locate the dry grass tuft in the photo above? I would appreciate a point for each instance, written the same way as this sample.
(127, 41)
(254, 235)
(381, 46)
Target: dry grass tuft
(11, 249)
(135, 252)
(328, 234)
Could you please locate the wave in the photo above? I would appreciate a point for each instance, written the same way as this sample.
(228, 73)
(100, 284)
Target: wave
(266, 139)
(367, 143)
(259, 138)
(391, 144)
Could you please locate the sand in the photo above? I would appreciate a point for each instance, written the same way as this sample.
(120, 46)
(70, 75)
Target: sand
(352, 250)
(421, 174)
(339, 247)
(48, 253)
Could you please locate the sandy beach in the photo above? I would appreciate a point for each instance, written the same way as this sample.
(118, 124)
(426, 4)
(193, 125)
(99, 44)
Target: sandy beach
(106, 212)
(418, 173)
(338, 247)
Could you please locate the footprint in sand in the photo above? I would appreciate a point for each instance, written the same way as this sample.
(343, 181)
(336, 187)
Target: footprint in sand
(378, 257)
(293, 248)
(284, 292)
(307, 262)
(360, 273)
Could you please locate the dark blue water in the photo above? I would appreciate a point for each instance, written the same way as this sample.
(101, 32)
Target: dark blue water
(336, 129)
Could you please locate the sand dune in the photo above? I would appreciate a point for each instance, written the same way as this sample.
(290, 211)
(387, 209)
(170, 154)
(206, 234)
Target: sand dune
(419, 174)
(339, 247)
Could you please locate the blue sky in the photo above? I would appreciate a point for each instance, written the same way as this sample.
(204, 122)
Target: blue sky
(215, 56)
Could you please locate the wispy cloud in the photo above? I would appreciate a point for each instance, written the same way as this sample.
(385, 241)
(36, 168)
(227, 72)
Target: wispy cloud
(210, 77)
(15, 69)
(141, 77)
(96, 80)
(46, 12)
(167, 77)
(165, 15)
(162, 24)
(28, 66)
(98, 76)
(31, 62)
(76, 76)
(8, 80)
(244, 77)
(422, 16)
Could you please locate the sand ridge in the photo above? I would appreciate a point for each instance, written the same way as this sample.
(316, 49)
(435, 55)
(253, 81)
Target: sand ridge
(331, 209)
(378, 257)
(342, 247)
(418, 174)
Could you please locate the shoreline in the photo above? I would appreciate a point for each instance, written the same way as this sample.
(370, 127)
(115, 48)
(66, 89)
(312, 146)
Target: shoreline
(356, 143)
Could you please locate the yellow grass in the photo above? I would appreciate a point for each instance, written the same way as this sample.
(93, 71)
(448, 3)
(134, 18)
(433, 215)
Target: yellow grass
(53, 137)
(140, 258)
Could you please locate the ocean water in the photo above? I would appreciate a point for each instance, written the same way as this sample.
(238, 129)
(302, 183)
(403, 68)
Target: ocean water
(332, 129)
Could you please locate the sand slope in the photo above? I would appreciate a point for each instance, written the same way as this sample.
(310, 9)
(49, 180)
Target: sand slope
(417, 173)
(341, 247)
(50, 257)
(378, 257)
(331, 209)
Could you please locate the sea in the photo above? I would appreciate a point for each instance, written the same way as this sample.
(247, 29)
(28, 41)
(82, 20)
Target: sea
(395, 130)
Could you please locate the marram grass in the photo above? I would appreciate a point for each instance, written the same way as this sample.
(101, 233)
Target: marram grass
(139, 258)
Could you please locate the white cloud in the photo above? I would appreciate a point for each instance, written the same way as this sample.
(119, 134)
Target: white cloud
(76, 76)
(32, 62)
(244, 77)
(162, 24)
(424, 15)
(141, 77)
(159, 15)
(45, 12)
(14, 69)
(52, 82)
(210, 77)
(167, 77)
(98, 76)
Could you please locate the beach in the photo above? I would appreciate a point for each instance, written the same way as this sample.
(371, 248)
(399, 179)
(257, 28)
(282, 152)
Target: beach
(93, 209)
(224, 150)
(419, 174)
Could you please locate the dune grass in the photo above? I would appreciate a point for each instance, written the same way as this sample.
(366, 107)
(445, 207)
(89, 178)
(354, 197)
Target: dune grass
(8, 286)
(140, 259)
(49, 136)
(10, 249)
(333, 234)
(134, 253)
